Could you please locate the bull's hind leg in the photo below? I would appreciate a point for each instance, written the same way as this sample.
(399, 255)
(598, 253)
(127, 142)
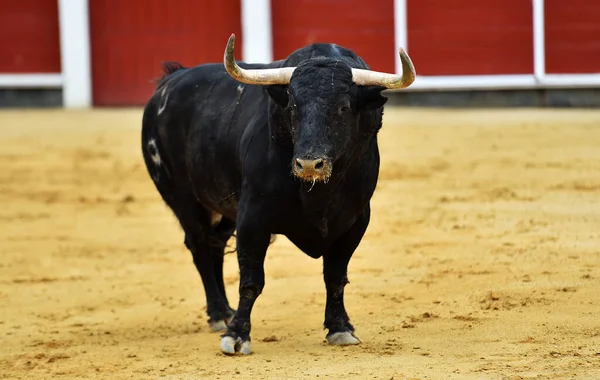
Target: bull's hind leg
(207, 252)
(335, 272)
(205, 237)
(221, 233)
(206, 243)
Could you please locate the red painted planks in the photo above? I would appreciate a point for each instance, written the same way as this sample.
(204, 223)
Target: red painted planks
(130, 39)
(572, 36)
(470, 37)
(30, 37)
(367, 27)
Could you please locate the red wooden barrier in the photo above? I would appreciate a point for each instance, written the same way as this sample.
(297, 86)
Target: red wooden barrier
(129, 39)
(367, 27)
(470, 37)
(572, 36)
(30, 40)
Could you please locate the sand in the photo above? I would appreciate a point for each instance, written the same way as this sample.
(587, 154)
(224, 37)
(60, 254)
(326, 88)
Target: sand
(481, 261)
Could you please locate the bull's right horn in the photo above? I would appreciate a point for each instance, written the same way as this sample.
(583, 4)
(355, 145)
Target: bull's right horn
(391, 81)
(257, 76)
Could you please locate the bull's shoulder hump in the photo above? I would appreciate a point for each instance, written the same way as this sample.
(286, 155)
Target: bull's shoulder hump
(327, 50)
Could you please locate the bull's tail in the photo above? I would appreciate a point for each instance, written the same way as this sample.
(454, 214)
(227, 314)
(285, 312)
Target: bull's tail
(168, 68)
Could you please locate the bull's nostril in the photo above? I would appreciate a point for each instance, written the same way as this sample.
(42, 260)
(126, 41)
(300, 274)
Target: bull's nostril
(309, 165)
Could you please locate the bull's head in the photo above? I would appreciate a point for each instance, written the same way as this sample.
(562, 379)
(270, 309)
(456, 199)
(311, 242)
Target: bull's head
(322, 100)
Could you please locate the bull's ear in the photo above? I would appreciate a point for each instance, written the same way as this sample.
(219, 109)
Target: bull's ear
(279, 94)
(370, 98)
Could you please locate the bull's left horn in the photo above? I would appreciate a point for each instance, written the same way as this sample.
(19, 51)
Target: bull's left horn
(391, 81)
(257, 76)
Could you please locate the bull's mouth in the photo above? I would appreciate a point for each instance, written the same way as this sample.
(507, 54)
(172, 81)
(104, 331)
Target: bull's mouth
(312, 170)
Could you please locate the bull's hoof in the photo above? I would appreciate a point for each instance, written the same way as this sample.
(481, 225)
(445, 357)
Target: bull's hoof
(345, 338)
(231, 346)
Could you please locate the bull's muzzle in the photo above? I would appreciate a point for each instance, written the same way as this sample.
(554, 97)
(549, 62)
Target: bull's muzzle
(312, 169)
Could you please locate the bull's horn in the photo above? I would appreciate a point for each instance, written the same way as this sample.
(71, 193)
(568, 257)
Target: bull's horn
(261, 76)
(391, 81)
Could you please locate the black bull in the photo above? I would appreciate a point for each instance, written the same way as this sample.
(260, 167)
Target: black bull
(284, 148)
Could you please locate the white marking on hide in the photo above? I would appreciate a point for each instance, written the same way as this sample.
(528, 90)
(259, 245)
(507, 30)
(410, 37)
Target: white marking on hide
(163, 104)
(240, 89)
(153, 150)
(215, 218)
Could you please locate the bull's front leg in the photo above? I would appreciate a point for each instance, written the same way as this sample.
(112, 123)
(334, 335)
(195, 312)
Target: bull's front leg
(252, 243)
(335, 273)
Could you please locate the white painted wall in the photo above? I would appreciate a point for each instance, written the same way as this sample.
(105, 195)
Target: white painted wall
(75, 53)
(400, 32)
(539, 48)
(256, 30)
(31, 80)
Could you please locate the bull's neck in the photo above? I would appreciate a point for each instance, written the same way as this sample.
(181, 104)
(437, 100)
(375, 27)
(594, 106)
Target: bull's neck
(323, 201)
(347, 169)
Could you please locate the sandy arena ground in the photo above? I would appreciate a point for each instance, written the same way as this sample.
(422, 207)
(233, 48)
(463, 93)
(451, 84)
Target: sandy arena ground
(481, 261)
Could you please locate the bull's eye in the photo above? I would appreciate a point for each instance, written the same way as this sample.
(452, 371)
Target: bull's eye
(344, 109)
